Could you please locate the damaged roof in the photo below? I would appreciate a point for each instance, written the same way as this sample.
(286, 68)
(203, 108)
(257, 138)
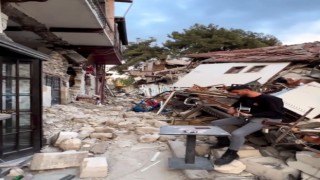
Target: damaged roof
(287, 53)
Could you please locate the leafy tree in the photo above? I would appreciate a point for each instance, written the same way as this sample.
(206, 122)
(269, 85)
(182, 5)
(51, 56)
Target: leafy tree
(197, 39)
(200, 38)
(141, 50)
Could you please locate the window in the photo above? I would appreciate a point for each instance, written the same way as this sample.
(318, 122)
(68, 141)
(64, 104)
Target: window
(235, 70)
(255, 69)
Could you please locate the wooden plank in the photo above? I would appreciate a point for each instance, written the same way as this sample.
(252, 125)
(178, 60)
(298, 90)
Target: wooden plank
(165, 103)
(179, 149)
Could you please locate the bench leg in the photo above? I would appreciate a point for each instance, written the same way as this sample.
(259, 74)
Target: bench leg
(190, 149)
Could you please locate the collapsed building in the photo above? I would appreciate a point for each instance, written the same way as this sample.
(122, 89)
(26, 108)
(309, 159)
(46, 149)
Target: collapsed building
(290, 72)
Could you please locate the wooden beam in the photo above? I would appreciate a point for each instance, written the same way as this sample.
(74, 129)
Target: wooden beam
(28, 22)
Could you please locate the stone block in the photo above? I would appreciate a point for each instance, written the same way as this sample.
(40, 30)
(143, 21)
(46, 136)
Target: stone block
(64, 135)
(165, 138)
(95, 167)
(104, 130)
(146, 130)
(15, 172)
(125, 124)
(46, 161)
(102, 136)
(269, 168)
(70, 144)
(306, 168)
(308, 158)
(149, 138)
(99, 148)
(158, 124)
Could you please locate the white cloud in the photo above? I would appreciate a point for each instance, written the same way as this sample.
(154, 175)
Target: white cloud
(300, 33)
(151, 18)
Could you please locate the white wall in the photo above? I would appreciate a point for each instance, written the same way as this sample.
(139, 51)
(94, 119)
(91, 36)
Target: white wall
(214, 74)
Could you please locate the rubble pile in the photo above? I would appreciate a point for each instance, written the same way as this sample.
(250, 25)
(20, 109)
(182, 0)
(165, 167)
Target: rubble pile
(80, 133)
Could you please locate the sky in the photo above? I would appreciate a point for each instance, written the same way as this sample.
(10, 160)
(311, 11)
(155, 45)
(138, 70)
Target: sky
(291, 21)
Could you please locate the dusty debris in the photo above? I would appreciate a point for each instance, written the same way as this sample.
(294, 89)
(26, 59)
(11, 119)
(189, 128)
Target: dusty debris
(99, 148)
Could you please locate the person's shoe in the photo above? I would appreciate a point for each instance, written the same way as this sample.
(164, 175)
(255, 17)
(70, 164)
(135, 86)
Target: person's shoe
(223, 141)
(227, 157)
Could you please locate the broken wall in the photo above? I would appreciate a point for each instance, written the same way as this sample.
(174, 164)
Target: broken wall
(57, 66)
(151, 90)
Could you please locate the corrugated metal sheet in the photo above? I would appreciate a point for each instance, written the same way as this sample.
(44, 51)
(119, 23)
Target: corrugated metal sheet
(214, 74)
(301, 99)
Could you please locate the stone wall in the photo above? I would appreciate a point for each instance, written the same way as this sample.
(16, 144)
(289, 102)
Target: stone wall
(78, 87)
(56, 66)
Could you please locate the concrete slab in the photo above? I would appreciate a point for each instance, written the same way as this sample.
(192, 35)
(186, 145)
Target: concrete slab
(45, 161)
(315, 172)
(308, 157)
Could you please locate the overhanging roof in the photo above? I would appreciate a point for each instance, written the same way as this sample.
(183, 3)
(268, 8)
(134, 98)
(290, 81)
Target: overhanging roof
(18, 48)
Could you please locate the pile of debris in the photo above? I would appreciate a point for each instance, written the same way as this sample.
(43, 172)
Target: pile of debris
(80, 134)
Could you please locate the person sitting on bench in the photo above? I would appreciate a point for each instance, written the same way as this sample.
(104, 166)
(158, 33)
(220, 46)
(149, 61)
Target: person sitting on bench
(249, 111)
